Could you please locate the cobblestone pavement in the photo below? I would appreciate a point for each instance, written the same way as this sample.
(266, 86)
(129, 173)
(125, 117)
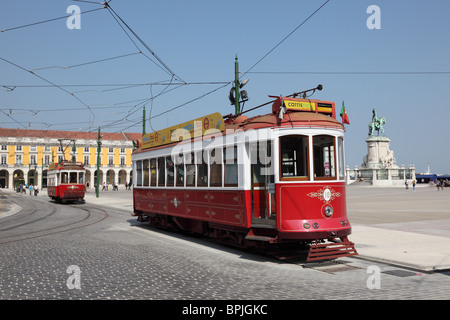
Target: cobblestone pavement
(109, 255)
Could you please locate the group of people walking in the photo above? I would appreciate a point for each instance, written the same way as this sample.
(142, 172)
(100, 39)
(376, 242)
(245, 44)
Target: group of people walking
(33, 189)
(440, 184)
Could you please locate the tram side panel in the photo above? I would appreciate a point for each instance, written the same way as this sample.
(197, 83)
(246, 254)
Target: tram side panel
(218, 206)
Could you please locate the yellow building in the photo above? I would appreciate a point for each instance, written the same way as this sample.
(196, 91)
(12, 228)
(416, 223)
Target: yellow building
(26, 154)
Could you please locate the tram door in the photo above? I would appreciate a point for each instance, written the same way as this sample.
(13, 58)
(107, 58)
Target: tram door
(262, 183)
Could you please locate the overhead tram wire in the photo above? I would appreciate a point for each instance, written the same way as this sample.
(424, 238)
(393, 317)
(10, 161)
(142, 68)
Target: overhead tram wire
(89, 62)
(285, 38)
(353, 72)
(48, 20)
(162, 63)
(53, 84)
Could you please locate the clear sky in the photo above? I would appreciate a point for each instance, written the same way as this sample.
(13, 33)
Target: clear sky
(57, 78)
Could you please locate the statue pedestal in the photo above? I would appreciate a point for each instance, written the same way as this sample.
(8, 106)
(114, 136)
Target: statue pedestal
(378, 154)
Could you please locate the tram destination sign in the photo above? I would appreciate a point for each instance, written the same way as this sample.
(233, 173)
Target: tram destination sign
(196, 128)
(307, 105)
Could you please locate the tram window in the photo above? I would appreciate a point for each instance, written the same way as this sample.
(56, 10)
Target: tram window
(216, 167)
(294, 157)
(190, 170)
(73, 177)
(179, 170)
(324, 157)
(146, 171)
(202, 170)
(261, 163)
(341, 158)
(139, 173)
(170, 172)
(161, 172)
(81, 178)
(230, 166)
(153, 172)
(64, 177)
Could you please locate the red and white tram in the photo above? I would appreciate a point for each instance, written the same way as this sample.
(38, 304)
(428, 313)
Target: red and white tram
(263, 181)
(65, 181)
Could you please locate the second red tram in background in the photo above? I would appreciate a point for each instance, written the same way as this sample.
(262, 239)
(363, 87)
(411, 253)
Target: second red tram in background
(65, 181)
(265, 181)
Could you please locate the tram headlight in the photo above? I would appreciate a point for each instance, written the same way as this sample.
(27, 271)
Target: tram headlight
(328, 211)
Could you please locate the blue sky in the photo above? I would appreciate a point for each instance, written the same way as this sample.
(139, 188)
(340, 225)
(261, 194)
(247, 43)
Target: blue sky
(198, 41)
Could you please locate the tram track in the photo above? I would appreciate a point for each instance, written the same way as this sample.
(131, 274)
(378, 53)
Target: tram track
(24, 230)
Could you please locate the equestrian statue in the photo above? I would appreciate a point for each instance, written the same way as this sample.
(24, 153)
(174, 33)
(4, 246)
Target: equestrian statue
(376, 124)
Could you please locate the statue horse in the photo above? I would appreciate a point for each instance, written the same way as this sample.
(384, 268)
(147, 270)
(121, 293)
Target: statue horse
(377, 125)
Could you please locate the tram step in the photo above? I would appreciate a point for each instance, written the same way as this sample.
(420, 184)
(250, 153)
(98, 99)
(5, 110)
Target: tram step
(252, 236)
(260, 238)
(332, 250)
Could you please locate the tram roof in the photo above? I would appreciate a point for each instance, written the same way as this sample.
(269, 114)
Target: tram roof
(290, 118)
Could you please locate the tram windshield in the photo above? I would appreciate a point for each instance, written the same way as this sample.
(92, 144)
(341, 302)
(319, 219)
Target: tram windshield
(295, 152)
(71, 177)
(294, 157)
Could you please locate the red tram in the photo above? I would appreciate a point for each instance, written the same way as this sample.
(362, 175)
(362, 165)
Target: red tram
(263, 181)
(65, 181)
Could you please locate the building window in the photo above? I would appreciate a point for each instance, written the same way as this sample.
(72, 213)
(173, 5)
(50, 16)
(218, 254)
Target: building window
(86, 149)
(111, 150)
(4, 148)
(122, 161)
(86, 160)
(33, 159)
(46, 160)
(18, 148)
(4, 159)
(111, 160)
(19, 159)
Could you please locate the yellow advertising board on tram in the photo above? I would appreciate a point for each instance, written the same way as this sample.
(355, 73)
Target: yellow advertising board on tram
(190, 129)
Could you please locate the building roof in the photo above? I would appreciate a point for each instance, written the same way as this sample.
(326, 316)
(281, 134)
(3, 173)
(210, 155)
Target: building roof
(53, 134)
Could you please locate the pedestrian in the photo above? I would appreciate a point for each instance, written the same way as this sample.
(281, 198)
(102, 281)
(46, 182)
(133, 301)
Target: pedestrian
(31, 189)
(414, 185)
(406, 184)
(36, 191)
(104, 186)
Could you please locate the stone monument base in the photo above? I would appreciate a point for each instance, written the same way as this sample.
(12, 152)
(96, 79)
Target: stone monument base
(379, 166)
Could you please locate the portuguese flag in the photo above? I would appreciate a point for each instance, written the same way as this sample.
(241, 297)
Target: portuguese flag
(344, 114)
